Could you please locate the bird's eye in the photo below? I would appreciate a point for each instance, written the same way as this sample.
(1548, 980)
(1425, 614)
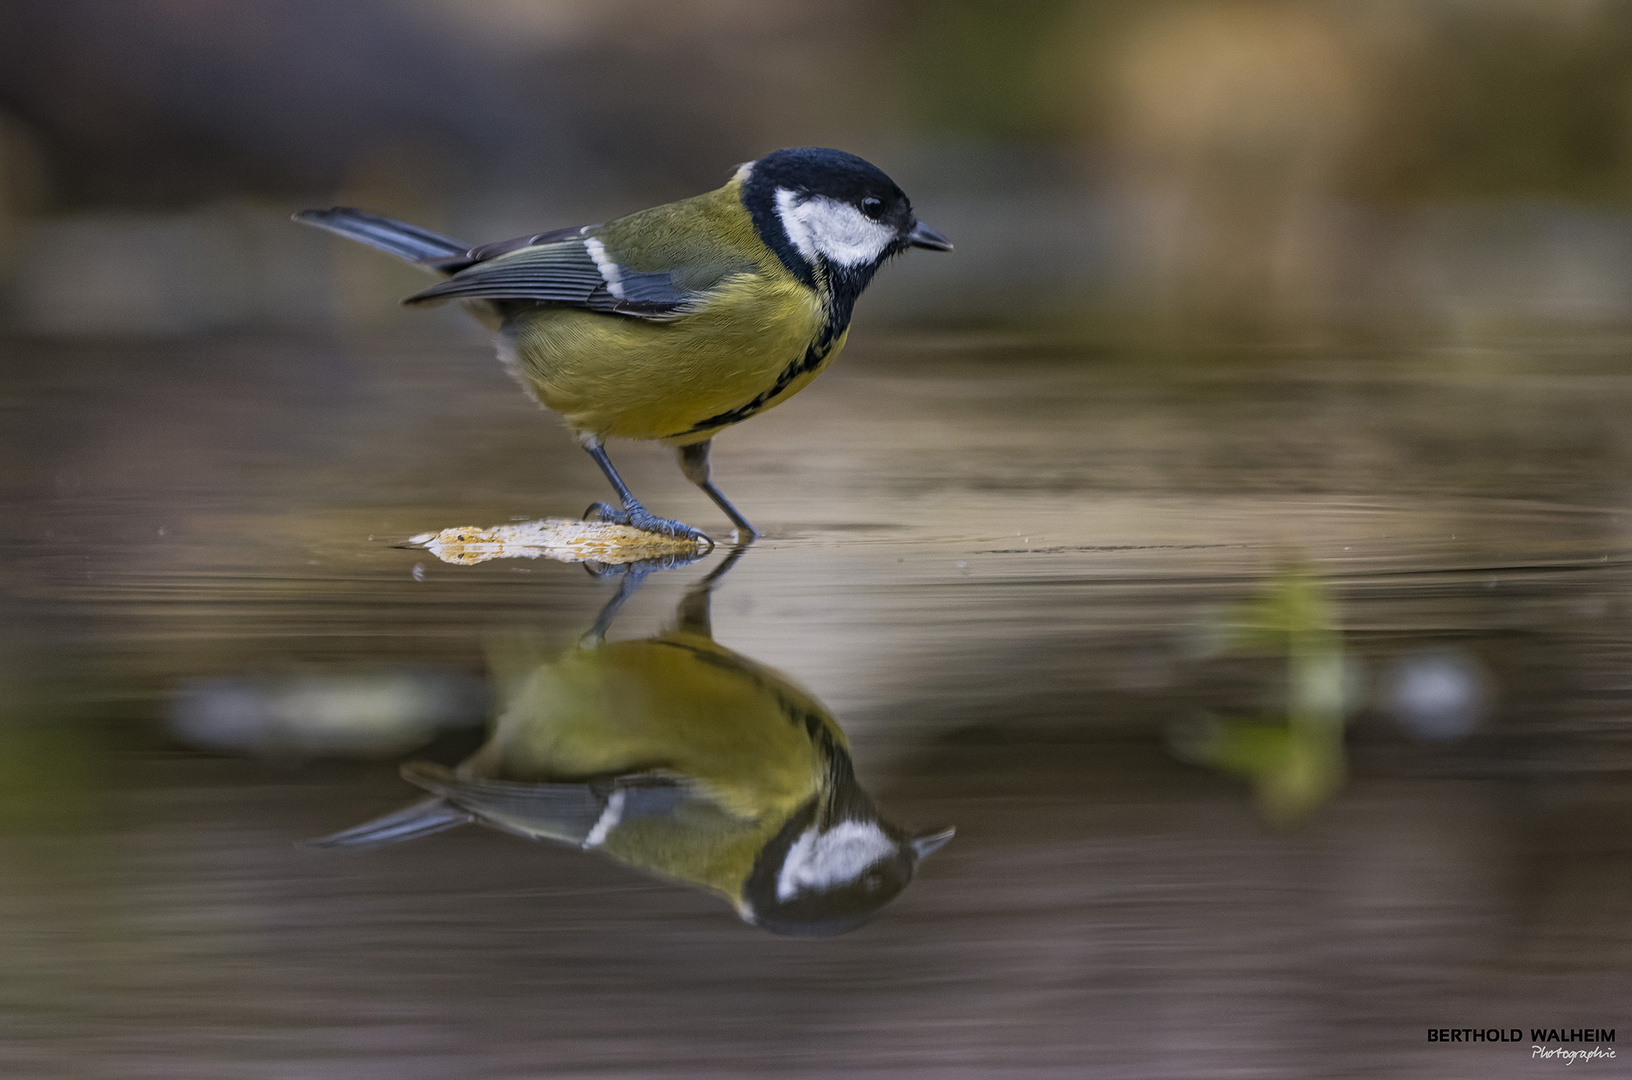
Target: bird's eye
(873, 208)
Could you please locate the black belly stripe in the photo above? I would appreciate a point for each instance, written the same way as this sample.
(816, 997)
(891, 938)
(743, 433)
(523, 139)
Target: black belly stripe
(838, 291)
(809, 362)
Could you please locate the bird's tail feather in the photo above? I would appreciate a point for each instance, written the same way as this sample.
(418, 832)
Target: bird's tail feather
(420, 819)
(399, 238)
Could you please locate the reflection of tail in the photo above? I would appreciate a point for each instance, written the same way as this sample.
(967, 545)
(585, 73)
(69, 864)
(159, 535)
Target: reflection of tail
(420, 819)
(399, 238)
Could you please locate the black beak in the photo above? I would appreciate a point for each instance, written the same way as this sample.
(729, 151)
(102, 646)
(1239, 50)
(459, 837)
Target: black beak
(925, 237)
(931, 842)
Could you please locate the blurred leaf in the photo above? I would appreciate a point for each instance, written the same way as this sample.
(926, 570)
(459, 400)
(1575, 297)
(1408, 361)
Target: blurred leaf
(48, 776)
(1292, 768)
(1297, 762)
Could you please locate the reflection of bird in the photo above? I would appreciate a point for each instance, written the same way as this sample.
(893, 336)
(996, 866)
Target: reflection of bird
(676, 322)
(681, 758)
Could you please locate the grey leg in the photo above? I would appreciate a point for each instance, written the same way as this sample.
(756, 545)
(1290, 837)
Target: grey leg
(633, 577)
(633, 513)
(694, 463)
(693, 613)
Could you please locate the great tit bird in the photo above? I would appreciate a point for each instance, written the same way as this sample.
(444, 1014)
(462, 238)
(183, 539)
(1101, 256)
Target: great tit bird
(676, 322)
(683, 759)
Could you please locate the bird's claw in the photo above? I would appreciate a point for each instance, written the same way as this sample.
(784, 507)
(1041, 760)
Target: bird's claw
(638, 517)
(651, 523)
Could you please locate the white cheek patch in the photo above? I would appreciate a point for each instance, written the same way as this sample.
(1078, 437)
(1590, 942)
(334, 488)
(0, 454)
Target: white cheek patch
(818, 225)
(819, 861)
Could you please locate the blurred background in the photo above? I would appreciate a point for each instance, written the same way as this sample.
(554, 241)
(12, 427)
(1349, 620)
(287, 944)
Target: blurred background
(1287, 166)
(1232, 537)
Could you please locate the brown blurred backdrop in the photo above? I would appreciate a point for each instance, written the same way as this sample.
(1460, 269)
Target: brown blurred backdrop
(1289, 166)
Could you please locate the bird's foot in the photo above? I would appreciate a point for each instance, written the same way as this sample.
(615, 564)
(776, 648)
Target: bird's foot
(639, 568)
(638, 517)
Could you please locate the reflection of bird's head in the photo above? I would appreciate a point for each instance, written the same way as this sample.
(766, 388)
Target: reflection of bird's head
(835, 863)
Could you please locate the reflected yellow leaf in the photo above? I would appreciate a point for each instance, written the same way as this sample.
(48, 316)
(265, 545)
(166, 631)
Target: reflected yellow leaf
(1296, 762)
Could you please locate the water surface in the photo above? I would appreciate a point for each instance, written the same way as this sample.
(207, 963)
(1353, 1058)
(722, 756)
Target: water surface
(1009, 567)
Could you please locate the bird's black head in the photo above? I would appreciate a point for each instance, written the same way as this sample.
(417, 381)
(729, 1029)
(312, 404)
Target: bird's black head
(831, 215)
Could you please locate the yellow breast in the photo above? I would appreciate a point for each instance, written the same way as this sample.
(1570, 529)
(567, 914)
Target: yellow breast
(680, 703)
(746, 351)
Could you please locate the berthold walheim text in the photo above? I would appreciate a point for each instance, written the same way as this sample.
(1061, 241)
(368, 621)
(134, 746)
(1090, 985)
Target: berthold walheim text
(1538, 1035)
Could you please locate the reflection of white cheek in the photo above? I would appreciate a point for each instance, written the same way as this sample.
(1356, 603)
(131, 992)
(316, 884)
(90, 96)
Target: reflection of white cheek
(835, 230)
(819, 861)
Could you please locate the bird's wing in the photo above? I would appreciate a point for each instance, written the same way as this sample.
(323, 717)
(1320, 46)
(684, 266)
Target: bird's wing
(646, 265)
(504, 247)
(560, 272)
(572, 813)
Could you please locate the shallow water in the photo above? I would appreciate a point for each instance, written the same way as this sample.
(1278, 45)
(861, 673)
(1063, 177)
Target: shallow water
(1013, 570)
